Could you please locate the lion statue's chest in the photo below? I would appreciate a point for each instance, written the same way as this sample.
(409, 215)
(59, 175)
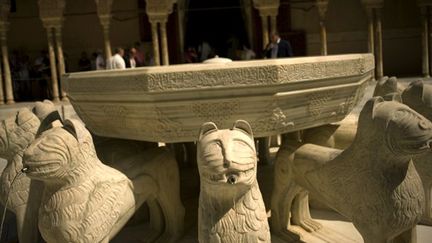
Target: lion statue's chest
(62, 213)
(245, 221)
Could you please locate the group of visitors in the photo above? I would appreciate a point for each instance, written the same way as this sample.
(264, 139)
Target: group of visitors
(131, 58)
(30, 79)
(277, 48)
(121, 59)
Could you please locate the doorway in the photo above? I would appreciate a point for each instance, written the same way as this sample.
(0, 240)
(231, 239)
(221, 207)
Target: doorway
(218, 22)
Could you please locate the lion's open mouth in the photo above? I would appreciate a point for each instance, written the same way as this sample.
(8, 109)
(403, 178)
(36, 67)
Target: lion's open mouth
(229, 176)
(42, 168)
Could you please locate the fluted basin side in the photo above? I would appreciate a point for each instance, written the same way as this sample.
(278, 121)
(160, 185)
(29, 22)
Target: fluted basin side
(169, 103)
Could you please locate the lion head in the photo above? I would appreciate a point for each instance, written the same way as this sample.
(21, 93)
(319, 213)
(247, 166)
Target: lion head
(227, 158)
(401, 129)
(386, 86)
(61, 154)
(18, 131)
(418, 97)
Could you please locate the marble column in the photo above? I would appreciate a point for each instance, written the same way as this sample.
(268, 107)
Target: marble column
(1, 87)
(107, 42)
(425, 41)
(371, 33)
(155, 41)
(323, 38)
(264, 22)
(322, 10)
(164, 42)
(273, 24)
(369, 13)
(6, 68)
(60, 59)
(429, 38)
(52, 58)
(378, 45)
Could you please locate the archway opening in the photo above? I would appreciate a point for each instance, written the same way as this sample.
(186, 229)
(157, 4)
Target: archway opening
(218, 22)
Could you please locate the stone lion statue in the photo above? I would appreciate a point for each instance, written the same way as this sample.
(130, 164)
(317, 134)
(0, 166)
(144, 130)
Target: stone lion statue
(16, 134)
(83, 199)
(418, 96)
(373, 182)
(231, 208)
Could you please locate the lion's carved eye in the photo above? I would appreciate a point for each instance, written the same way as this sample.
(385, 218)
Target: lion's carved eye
(424, 125)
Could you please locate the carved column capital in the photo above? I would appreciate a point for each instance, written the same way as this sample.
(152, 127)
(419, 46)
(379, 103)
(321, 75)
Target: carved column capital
(424, 3)
(4, 27)
(4, 9)
(159, 10)
(373, 3)
(322, 6)
(267, 7)
(103, 7)
(51, 13)
(51, 8)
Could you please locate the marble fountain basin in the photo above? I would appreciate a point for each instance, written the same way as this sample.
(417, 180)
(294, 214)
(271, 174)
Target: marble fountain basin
(169, 103)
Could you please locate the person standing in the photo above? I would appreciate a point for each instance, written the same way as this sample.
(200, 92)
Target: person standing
(117, 61)
(278, 48)
(100, 60)
(130, 58)
(84, 63)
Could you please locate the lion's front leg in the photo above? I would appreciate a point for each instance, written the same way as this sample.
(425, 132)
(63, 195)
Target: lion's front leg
(301, 214)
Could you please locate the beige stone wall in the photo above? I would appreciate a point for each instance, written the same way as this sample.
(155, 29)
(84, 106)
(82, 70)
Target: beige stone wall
(82, 30)
(347, 32)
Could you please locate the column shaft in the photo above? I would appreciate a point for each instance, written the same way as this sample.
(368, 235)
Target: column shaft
(155, 40)
(378, 50)
(273, 24)
(107, 42)
(1, 87)
(164, 40)
(60, 60)
(54, 80)
(323, 37)
(6, 70)
(265, 32)
(425, 43)
(370, 31)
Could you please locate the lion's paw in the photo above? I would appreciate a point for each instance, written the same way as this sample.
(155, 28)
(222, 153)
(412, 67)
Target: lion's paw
(310, 225)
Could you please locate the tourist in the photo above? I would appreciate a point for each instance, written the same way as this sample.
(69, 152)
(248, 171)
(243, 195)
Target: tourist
(278, 48)
(84, 63)
(117, 61)
(247, 54)
(100, 60)
(139, 55)
(204, 50)
(191, 55)
(130, 58)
